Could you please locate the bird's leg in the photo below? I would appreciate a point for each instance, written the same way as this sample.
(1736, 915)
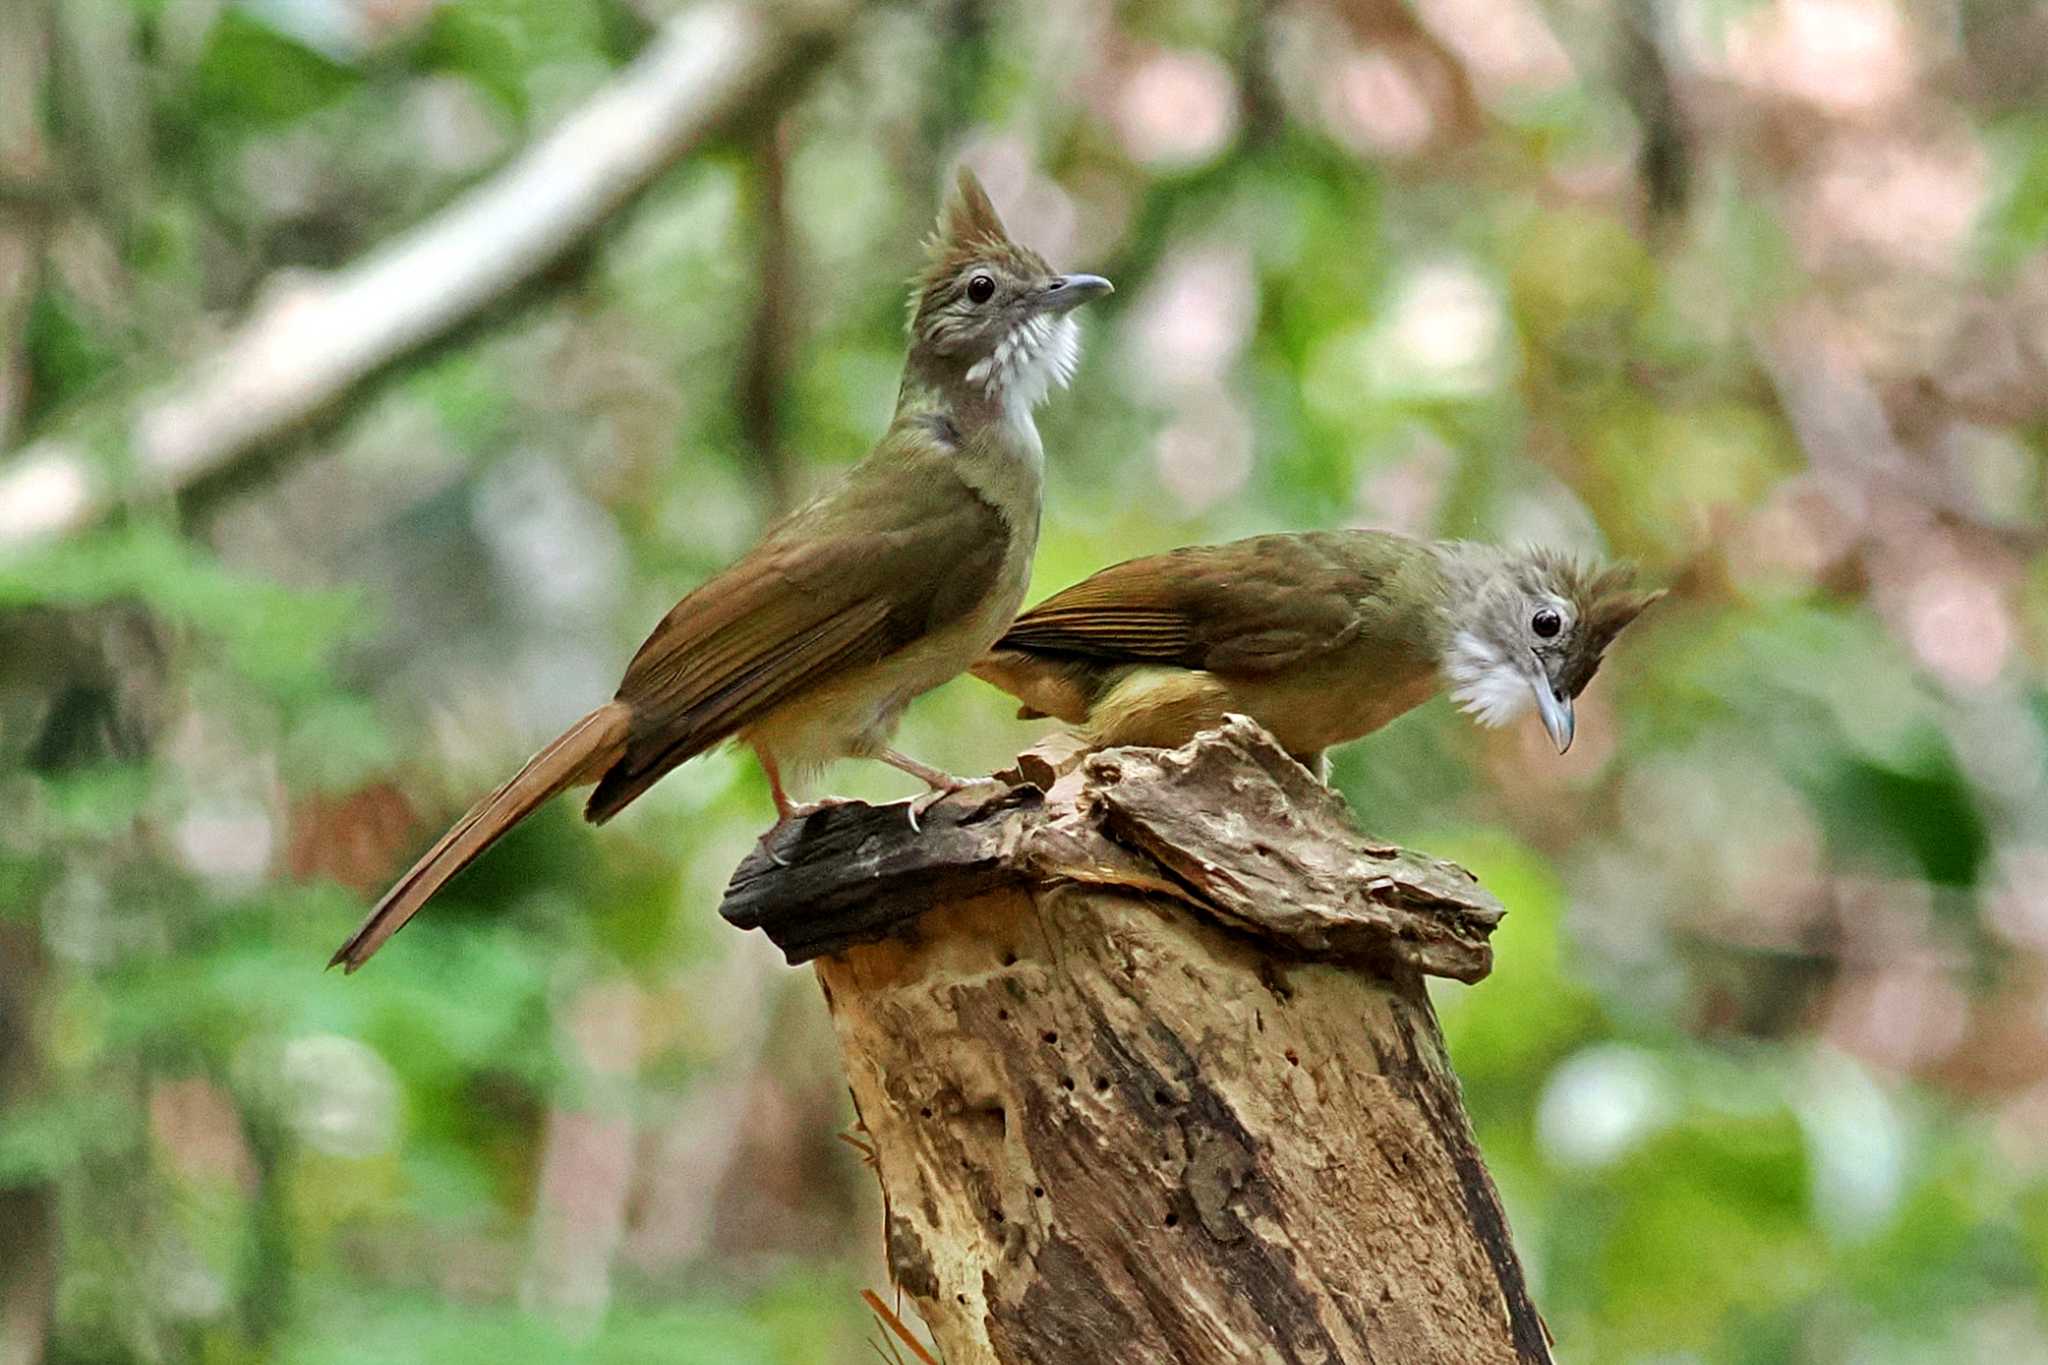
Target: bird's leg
(938, 779)
(786, 810)
(942, 783)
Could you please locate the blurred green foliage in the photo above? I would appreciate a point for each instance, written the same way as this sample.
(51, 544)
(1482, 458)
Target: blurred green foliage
(1762, 1070)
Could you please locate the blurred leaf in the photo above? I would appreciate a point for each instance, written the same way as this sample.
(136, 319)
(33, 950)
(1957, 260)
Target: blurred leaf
(503, 45)
(1918, 824)
(337, 743)
(1505, 1034)
(43, 1138)
(468, 397)
(276, 637)
(67, 354)
(1696, 1226)
(251, 74)
(793, 1328)
(1577, 276)
(1668, 473)
(2018, 226)
(97, 802)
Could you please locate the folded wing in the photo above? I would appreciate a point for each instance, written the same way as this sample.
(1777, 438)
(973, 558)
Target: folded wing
(835, 589)
(1205, 607)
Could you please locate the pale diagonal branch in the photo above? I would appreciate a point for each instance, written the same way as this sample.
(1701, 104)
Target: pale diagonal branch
(307, 344)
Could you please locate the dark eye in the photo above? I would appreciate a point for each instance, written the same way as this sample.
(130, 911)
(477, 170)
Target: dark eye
(980, 289)
(1546, 623)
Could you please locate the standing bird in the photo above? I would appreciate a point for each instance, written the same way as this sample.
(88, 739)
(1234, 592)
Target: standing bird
(1320, 637)
(809, 648)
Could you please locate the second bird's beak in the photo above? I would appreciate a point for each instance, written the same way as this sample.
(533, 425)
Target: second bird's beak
(1556, 711)
(1071, 291)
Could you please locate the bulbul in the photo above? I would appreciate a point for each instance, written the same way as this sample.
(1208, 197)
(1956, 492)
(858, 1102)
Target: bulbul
(809, 648)
(1321, 637)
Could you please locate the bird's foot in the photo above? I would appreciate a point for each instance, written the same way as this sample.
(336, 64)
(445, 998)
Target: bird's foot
(788, 813)
(940, 791)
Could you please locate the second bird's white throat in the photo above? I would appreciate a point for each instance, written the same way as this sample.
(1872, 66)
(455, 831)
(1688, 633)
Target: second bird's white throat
(1033, 358)
(1486, 684)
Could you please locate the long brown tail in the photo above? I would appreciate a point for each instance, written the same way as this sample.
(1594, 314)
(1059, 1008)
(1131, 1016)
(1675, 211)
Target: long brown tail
(580, 754)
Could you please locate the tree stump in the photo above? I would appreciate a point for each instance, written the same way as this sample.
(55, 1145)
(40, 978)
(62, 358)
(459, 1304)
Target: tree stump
(1141, 1041)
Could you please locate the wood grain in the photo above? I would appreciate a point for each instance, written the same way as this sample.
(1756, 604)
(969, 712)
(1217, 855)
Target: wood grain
(1148, 1065)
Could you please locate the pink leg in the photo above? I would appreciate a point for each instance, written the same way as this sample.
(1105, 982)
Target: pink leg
(938, 779)
(784, 807)
(941, 782)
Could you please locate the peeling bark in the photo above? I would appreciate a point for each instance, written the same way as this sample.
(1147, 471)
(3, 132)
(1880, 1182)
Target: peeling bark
(1142, 1044)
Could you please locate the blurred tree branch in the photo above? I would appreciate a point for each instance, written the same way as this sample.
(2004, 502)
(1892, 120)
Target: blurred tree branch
(96, 55)
(1258, 94)
(28, 1208)
(1838, 413)
(24, 165)
(1644, 76)
(311, 341)
(767, 356)
(77, 688)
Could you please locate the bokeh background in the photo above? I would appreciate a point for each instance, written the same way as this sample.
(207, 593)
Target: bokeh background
(1754, 292)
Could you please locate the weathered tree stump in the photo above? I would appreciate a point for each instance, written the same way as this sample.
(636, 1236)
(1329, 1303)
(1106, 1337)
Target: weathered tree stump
(1142, 1044)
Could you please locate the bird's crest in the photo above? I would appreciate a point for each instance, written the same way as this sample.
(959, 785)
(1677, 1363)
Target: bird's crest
(969, 231)
(969, 223)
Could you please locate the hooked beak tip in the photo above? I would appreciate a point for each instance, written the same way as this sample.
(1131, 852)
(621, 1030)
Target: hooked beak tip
(1557, 716)
(1071, 291)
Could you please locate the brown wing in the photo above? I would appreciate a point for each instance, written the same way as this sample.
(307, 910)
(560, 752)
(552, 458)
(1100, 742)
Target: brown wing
(1250, 606)
(844, 584)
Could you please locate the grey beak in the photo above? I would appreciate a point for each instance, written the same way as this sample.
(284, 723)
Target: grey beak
(1556, 711)
(1071, 291)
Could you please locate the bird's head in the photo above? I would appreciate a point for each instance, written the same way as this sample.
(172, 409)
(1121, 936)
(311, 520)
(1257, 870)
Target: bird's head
(1531, 631)
(988, 313)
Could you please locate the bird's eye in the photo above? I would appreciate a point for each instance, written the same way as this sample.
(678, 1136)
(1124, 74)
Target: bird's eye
(1546, 623)
(980, 289)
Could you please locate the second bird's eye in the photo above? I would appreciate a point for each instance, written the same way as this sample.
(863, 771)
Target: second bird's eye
(980, 289)
(1546, 623)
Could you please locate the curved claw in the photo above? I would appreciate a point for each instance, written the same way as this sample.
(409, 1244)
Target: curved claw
(921, 804)
(791, 813)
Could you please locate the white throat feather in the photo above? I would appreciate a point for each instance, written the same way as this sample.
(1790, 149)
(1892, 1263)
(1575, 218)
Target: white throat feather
(1485, 684)
(1034, 357)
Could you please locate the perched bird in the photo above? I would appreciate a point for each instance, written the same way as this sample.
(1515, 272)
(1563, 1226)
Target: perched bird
(1320, 637)
(810, 646)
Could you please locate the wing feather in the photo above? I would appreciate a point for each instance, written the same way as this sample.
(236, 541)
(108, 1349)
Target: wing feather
(1207, 607)
(803, 607)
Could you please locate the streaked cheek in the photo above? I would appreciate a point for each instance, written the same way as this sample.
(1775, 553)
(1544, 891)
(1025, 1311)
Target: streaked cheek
(949, 332)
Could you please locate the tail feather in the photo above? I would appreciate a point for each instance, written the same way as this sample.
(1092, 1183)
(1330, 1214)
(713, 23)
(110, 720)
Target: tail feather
(580, 754)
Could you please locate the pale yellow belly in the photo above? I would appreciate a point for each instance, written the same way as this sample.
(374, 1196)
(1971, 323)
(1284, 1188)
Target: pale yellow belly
(1307, 710)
